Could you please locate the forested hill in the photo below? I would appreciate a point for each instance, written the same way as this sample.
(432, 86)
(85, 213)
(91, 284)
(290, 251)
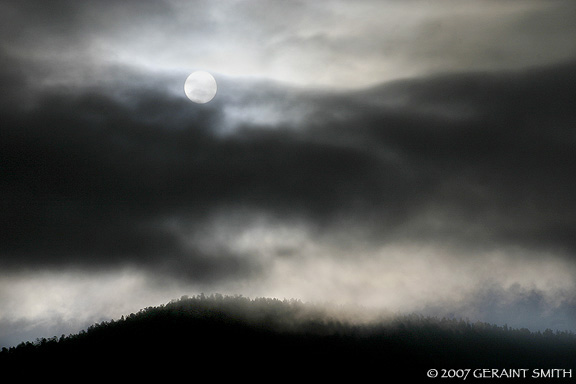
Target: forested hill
(233, 337)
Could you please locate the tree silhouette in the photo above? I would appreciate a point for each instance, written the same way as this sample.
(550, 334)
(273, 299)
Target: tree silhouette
(228, 335)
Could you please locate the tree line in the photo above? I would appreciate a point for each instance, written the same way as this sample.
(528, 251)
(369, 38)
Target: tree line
(212, 331)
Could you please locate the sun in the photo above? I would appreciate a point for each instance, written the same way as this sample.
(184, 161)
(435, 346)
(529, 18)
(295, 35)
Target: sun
(200, 87)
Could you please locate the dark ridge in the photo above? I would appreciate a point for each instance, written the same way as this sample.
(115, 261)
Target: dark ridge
(236, 337)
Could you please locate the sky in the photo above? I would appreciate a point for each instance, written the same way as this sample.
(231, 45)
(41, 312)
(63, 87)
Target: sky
(409, 156)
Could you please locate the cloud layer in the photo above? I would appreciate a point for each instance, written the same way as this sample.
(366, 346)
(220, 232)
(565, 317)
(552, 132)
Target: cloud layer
(451, 191)
(333, 44)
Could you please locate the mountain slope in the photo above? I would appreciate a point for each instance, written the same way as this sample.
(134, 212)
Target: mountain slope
(232, 336)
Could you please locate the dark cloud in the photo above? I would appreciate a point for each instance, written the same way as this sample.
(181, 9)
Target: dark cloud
(488, 149)
(67, 21)
(91, 178)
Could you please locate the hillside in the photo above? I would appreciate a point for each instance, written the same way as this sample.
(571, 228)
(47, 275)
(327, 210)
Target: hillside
(232, 336)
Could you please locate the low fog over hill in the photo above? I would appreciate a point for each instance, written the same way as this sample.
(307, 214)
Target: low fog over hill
(235, 336)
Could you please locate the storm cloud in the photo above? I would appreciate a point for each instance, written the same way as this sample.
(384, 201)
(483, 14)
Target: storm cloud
(445, 185)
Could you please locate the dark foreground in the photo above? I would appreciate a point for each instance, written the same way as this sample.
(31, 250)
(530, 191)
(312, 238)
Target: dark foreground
(265, 340)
